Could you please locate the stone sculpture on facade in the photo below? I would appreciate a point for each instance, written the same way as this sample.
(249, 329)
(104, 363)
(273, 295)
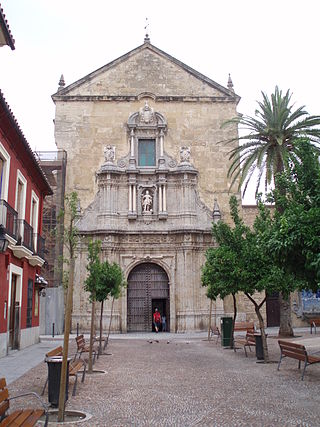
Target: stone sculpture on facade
(147, 202)
(146, 114)
(185, 154)
(109, 153)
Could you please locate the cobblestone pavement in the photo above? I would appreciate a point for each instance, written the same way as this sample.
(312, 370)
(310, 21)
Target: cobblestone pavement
(182, 381)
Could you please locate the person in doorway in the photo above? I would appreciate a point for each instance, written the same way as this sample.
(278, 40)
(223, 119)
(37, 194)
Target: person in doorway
(156, 320)
(164, 323)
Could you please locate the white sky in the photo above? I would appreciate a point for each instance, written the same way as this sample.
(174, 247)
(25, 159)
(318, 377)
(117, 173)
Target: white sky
(262, 43)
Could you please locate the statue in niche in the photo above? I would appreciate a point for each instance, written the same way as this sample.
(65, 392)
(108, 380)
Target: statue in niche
(146, 114)
(147, 202)
(109, 153)
(185, 154)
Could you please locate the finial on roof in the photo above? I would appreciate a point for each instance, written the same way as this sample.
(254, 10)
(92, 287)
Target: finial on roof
(61, 83)
(230, 84)
(216, 212)
(146, 37)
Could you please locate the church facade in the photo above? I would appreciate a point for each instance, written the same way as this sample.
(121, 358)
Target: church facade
(142, 138)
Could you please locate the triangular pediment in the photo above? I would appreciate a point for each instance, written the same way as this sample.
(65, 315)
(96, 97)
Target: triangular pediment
(146, 69)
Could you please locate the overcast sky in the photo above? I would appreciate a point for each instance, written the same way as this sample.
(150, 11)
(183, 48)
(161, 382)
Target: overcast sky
(261, 43)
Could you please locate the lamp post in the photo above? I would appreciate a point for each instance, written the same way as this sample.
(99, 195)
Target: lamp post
(3, 241)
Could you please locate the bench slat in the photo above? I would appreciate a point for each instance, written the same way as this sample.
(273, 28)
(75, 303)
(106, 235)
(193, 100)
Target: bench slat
(12, 417)
(33, 418)
(18, 418)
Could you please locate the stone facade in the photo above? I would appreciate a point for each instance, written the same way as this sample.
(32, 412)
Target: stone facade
(141, 134)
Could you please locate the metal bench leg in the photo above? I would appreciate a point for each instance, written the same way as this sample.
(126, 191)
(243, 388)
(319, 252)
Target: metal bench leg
(279, 362)
(245, 350)
(84, 373)
(299, 364)
(75, 385)
(44, 387)
(304, 369)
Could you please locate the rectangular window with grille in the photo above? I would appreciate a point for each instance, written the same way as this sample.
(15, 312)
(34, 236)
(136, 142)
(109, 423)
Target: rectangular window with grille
(29, 303)
(1, 175)
(147, 152)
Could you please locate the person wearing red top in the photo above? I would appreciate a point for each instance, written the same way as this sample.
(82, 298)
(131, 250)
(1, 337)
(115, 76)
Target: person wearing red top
(156, 320)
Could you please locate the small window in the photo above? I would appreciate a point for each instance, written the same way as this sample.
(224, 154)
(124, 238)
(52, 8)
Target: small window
(1, 175)
(147, 152)
(29, 303)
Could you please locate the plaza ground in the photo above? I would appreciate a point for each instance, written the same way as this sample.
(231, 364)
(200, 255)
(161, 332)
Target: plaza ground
(181, 380)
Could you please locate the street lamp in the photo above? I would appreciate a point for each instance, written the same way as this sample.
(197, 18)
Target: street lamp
(3, 241)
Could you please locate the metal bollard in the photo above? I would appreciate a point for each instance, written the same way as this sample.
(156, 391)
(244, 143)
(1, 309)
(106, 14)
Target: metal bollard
(52, 330)
(77, 329)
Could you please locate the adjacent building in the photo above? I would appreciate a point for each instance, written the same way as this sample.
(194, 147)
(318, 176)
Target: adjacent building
(23, 187)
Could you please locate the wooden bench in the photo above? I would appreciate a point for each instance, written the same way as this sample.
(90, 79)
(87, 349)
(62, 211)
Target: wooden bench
(248, 341)
(83, 347)
(75, 367)
(20, 417)
(313, 324)
(298, 352)
(244, 326)
(214, 330)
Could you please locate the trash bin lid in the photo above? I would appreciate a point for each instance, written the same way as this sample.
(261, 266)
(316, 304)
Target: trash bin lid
(56, 359)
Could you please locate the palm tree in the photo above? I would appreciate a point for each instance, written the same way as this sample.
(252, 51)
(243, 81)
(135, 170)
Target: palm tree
(270, 147)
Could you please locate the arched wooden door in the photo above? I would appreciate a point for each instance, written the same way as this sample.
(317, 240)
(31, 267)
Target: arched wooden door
(148, 287)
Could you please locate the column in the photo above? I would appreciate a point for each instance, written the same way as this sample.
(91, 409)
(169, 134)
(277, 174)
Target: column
(164, 199)
(161, 143)
(134, 198)
(132, 143)
(130, 198)
(160, 198)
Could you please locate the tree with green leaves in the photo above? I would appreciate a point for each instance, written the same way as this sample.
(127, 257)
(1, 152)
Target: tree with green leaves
(104, 280)
(116, 282)
(92, 284)
(294, 239)
(270, 148)
(241, 264)
(70, 238)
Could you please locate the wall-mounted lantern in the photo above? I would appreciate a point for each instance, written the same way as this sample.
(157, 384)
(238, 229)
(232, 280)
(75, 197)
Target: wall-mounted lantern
(3, 240)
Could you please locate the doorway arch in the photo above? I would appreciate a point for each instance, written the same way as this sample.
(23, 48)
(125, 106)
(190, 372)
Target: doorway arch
(148, 287)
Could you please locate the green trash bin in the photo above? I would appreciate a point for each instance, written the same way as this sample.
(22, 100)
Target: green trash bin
(226, 331)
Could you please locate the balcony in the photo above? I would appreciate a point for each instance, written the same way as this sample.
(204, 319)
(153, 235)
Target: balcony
(23, 242)
(24, 246)
(9, 219)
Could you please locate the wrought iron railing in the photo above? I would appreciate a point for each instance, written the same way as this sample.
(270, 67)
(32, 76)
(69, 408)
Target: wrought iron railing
(39, 245)
(8, 218)
(25, 234)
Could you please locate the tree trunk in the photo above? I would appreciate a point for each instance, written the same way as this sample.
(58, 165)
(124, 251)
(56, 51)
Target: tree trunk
(93, 306)
(67, 322)
(234, 319)
(285, 329)
(107, 341)
(257, 308)
(210, 314)
(100, 337)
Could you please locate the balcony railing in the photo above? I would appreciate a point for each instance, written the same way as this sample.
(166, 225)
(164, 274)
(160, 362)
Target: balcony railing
(25, 234)
(39, 245)
(8, 218)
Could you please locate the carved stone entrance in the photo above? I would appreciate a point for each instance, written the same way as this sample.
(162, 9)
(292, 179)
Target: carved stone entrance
(148, 284)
